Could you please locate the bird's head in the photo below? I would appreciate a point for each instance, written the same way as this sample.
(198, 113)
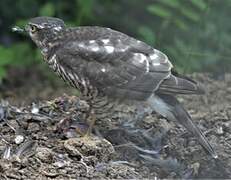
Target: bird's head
(44, 29)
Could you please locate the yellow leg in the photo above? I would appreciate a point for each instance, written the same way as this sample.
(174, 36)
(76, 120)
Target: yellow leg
(91, 120)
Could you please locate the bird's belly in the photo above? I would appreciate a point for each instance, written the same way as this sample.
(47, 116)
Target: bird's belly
(76, 81)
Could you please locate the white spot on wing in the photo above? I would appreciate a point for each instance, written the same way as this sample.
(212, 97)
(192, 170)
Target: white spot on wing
(155, 64)
(109, 49)
(92, 41)
(103, 70)
(124, 49)
(95, 48)
(105, 41)
(159, 57)
(143, 59)
(153, 56)
(58, 28)
(138, 41)
(82, 45)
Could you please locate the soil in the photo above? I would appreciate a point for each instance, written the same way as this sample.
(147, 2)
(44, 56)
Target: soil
(44, 139)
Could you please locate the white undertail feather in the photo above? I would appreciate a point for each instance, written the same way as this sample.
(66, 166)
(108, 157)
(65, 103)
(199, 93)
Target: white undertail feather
(160, 107)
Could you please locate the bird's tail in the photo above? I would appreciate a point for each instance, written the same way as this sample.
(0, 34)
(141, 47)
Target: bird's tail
(169, 107)
(179, 84)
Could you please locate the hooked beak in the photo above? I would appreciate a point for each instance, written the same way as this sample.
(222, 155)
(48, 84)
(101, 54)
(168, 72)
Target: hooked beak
(21, 30)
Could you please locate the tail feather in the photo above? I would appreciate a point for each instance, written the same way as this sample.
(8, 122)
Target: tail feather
(170, 108)
(179, 84)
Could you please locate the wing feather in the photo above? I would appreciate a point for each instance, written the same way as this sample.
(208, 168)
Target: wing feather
(118, 65)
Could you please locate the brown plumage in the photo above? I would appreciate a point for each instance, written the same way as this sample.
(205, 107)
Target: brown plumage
(108, 66)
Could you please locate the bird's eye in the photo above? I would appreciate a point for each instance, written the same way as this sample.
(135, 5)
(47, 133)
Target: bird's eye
(33, 29)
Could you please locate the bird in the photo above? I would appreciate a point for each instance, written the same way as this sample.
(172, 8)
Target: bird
(109, 67)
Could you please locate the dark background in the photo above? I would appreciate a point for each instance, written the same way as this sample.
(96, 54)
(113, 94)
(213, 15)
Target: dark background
(195, 34)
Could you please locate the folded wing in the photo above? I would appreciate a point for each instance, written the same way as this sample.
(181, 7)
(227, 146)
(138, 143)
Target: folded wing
(118, 65)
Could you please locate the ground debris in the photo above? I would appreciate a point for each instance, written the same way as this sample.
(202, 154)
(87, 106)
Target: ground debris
(90, 146)
(45, 140)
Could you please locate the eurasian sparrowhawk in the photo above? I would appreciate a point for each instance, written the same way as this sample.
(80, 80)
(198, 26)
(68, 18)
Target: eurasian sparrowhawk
(108, 66)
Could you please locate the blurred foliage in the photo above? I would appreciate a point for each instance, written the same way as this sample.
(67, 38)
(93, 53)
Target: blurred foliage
(195, 34)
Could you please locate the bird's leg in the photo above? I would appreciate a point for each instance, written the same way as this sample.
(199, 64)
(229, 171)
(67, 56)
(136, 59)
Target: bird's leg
(91, 122)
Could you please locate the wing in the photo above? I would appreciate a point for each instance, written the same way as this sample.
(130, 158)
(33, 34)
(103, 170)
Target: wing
(116, 64)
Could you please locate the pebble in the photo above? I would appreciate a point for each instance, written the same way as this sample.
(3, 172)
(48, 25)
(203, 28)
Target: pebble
(220, 130)
(44, 154)
(19, 139)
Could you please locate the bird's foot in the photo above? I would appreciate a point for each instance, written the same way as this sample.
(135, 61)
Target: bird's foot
(91, 120)
(88, 134)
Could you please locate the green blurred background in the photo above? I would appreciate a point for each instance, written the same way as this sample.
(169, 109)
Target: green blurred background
(195, 34)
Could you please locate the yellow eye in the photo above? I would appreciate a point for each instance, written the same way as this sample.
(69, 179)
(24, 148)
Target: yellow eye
(33, 29)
